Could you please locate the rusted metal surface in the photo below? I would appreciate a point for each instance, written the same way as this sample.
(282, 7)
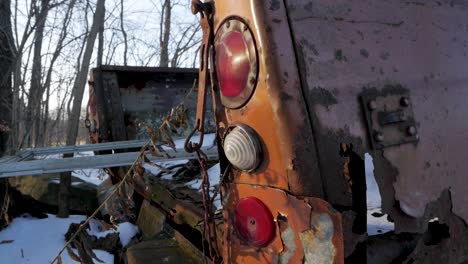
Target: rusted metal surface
(349, 49)
(206, 20)
(390, 119)
(122, 99)
(308, 229)
(276, 110)
(277, 113)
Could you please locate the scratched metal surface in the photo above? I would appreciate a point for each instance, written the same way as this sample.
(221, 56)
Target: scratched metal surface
(348, 48)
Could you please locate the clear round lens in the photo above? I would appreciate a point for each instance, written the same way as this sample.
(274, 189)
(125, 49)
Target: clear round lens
(242, 148)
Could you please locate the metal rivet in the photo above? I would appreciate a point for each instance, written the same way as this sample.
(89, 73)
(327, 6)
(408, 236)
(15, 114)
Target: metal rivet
(404, 101)
(228, 24)
(252, 80)
(411, 130)
(372, 105)
(378, 136)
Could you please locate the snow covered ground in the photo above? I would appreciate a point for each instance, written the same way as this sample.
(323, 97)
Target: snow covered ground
(31, 240)
(375, 225)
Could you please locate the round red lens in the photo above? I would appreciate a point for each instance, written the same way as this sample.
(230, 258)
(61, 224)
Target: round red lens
(232, 63)
(254, 222)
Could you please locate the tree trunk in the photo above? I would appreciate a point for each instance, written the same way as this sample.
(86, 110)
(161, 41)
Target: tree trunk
(100, 44)
(165, 33)
(35, 92)
(122, 28)
(18, 132)
(74, 118)
(6, 65)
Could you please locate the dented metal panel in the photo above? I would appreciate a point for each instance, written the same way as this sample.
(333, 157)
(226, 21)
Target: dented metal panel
(348, 49)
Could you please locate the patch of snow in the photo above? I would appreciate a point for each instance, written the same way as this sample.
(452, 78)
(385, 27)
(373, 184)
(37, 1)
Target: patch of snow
(378, 225)
(194, 184)
(217, 202)
(93, 176)
(208, 141)
(374, 200)
(169, 176)
(48, 156)
(126, 232)
(39, 240)
(84, 154)
(375, 225)
(214, 174)
(97, 230)
(60, 156)
(155, 170)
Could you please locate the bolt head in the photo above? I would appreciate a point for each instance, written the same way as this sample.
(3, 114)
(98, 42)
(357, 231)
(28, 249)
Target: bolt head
(378, 136)
(404, 101)
(411, 130)
(372, 105)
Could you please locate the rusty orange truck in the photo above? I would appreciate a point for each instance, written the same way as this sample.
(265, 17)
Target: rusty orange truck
(301, 92)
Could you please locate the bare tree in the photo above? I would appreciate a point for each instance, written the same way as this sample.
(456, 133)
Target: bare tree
(78, 89)
(165, 29)
(18, 74)
(124, 33)
(35, 91)
(186, 41)
(6, 66)
(47, 83)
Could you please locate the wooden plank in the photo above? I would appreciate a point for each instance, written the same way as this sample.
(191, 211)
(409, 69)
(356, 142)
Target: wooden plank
(118, 130)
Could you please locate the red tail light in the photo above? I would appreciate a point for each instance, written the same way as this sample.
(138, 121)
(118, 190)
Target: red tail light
(236, 62)
(254, 222)
(233, 64)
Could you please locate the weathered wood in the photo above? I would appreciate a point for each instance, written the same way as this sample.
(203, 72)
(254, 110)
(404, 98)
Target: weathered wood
(161, 250)
(116, 118)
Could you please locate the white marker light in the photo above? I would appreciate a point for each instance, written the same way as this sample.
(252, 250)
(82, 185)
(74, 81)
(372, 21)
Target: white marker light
(242, 148)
